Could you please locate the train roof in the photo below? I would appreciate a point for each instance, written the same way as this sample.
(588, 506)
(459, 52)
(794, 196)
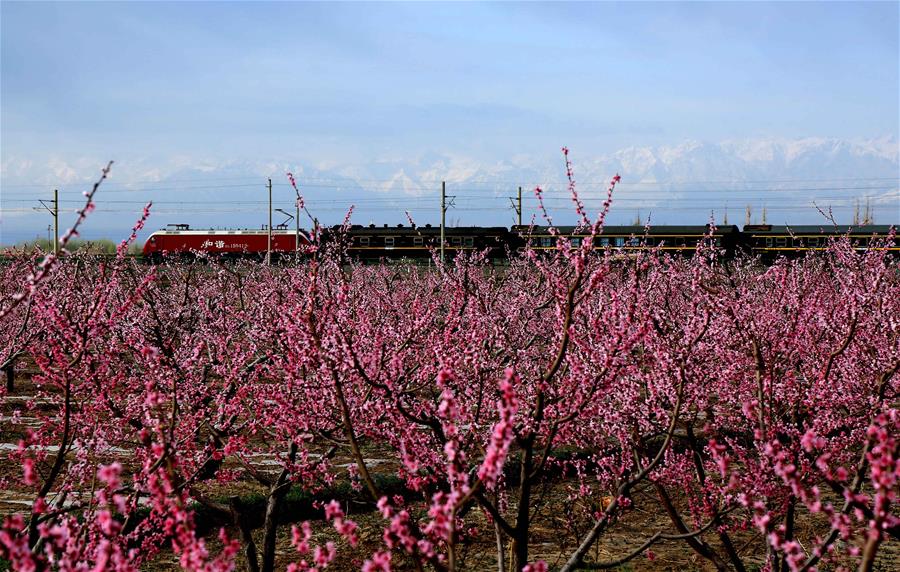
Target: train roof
(867, 229)
(627, 230)
(224, 231)
(427, 230)
(181, 228)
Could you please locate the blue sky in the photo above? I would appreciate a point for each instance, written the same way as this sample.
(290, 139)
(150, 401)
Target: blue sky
(163, 84)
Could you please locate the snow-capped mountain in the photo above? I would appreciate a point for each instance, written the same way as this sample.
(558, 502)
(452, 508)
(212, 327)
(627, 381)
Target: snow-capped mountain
(679, 183)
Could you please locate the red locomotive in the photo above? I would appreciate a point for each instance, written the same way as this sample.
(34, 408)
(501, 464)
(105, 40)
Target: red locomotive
(181, 239)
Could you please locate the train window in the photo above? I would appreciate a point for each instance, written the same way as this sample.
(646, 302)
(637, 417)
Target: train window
(418, 241)
(456, 240)
(798, 242)
(389, 242)
(364, 241)
(781, 242)
(576, 241)
(717, 241)
(620, 241)
(650, 241)
(604, 242)
(469, 241)
(812, 241)
(680, 241)
(634, 241)
(770, 242)
(546, 241)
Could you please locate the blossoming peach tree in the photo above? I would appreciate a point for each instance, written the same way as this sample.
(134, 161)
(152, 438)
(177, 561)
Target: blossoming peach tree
(388, 417)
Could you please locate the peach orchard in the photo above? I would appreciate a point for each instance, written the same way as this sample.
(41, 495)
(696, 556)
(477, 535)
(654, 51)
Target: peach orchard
(465, 406)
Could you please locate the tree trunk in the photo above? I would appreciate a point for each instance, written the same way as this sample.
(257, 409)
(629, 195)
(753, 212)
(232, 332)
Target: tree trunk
(869, 552)
(10, 370)
(520, 540)
(273, 505)
(246, 534)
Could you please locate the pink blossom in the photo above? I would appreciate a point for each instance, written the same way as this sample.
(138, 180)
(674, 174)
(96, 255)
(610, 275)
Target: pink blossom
(28, 471)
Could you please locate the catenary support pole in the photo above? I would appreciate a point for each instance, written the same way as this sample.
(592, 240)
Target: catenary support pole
(269, 236)
(520, 206)
(56, 221)
(443, 215)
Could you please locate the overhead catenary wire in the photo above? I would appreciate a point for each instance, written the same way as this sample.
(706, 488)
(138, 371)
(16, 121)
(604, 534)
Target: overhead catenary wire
(551, 187)
(254, 181)
(407, 199)
(532, 199)
(399, 211)
(722, 195)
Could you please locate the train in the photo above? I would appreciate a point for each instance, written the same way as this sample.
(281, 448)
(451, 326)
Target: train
(410, 242)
